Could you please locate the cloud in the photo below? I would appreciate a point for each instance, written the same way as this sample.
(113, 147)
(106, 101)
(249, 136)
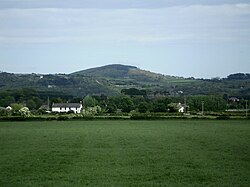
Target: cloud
(111, 4)
(195, 23)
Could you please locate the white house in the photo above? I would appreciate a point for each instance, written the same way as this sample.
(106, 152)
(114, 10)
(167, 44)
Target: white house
(233, 99)
(8, 108)
(66, 107)
(182, 108)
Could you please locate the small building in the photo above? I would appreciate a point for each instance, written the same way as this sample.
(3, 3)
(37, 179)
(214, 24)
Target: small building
(182, 108)
(233, 99)
(66, 107)
(45, 108)
(8, 108)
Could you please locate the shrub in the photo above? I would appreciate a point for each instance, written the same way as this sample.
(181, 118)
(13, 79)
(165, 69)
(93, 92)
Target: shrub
(223, 117)
(62, 118)
(25, 112)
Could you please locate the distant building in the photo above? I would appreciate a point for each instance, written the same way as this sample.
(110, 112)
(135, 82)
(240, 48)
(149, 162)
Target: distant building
(234, 99)
(45, 108)
(51, 86)
(8, 108)
(182, 108)
(66, 107)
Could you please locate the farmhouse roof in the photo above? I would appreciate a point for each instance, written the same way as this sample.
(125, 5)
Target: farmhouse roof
(234, 99)
(44, 107)
(67, 105)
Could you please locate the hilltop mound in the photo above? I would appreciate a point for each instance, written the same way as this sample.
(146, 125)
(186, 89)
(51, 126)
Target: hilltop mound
(118, 71)
(111, 71)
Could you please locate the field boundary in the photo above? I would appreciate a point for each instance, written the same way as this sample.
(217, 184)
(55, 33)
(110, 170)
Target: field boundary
(129, 117)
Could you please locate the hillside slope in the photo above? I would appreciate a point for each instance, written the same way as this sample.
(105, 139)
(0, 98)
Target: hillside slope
(111, 71)
(119, 71)
(111, 79)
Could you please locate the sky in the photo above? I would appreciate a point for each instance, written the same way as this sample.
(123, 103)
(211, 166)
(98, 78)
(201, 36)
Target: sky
(189, 38)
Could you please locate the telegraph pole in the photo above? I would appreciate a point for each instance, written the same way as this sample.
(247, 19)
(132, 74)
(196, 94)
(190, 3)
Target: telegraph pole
(48, 102)
(202, 107)
(185, 105)
(246, 109)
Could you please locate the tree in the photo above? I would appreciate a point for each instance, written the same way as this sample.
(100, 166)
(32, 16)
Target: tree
(31, 104)
(3, 112)
(211, 103)
(238, 76)
(37, 101)
(159, 107)
(6, 101)
(133, 92)
(92, 110)
(56, 100)
(16, 107)
(126, 104)
(143, 107)
(111, 108)
(24, 112)
(173, 107)
(89, 101)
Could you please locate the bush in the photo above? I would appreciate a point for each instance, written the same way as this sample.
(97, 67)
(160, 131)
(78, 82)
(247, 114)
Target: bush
(4, 112)
(63, 118)
(154, 117)
(223, 117)
(25, 112)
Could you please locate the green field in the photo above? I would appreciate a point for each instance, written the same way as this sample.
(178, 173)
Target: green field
(125, 153)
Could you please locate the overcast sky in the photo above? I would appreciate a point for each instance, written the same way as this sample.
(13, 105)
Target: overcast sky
(199, 38)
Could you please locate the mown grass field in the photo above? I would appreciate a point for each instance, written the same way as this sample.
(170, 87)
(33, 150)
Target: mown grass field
(125, 153)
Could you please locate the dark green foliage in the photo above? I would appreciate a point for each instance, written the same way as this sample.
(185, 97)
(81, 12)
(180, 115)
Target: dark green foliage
(31, 104)
(56, 100)
(111, 108)
(143, 107)
(105, 84)
(211, 103)
(239, 76)
(110, 80)
(172, 107)
(62, 118)
(223, 117)
(61, 84)
(134, 92)
(125, 153)
(159, 106)
(3, 112)
(114, 71)
(126, 104)
(6, 100)
(89, 101)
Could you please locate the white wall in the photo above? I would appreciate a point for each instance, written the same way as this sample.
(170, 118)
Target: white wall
(63, 109)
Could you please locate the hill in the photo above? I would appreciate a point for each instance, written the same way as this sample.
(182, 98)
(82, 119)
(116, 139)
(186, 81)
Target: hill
(123, 77)
(112, 71)
(119, 71)
(111, 79)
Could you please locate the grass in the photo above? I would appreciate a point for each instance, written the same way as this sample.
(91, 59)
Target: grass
(125, 153)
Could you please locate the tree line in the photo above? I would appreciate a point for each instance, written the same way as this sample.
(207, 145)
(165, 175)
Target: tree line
(129, 100)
